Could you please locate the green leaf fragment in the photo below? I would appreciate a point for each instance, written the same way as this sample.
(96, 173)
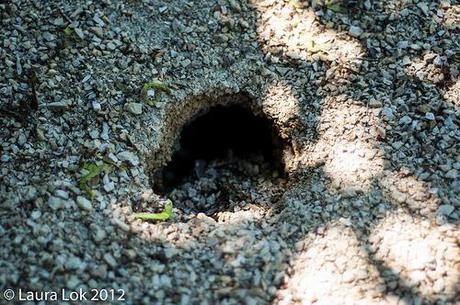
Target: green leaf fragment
(315, 47)
(159, 87)
(93, 171)
(334, 6)
(165, 215)
(68, 31)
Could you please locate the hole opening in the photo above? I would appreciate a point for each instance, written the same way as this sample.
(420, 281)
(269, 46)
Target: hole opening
(221, 150)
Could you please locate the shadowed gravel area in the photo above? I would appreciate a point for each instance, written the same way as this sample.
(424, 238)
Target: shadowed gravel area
(361, 102)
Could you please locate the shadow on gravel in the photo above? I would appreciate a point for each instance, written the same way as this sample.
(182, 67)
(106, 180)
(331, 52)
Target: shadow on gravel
(404, 87)
(416, 94)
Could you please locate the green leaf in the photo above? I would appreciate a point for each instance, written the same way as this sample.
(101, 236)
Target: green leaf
(68, 31)
(93, 171)
(321, 46)
(159, 87)
(334, 6)
(165, 215)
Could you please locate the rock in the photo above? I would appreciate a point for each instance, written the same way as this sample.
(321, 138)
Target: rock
(388, 113)
(128, 156)
(99, 235)
(134, 108)
(110, 260)
(355, 31)
(22, 139)
(445, 209)
(84, 203)
(111, 46)
(73, 263)
(59, 106)
(96, 105)
(79, 33)
(430, 116)
(73, 282)
(405, 120)
(48, 36)
(108, 187)
(56, 203)
(373, 103)
(439, 285)
(62, 194)
(403, 44)
(424, 8)
(122, 225)
(381, 132)
(452, 174)
(36, 214)
(349, 276)
(99, 271)
(151, 94)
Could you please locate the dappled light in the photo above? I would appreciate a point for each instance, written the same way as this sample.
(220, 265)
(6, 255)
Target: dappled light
(308, 150)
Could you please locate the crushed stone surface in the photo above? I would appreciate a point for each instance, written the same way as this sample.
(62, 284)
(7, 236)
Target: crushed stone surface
(367, 94)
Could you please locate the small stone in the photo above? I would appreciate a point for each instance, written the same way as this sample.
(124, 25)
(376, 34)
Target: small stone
(73, 282)
(439, 285)
(108, 187)
(405, 120)
(73, 263)
(397, 145)
(5, 158)
(388, 113)
(128, 156)
(403, 44)
(424, 8)
(58, 21)
(59, 106)
(348, 276)
(406, 61)
(111, 46)
(99, 235)
(186, 63)
(105, 131)
(452, 174)
(84, 203)
(79, 33)
(56, 203)
(445, 209)
(100, 271)
(122, 225)
(381, 132)
(62, 194)
(430, 116)
(151, 94)
(355, 31)
(36, 214)
(110, 260)
(48, 36)
(373, 103)
(96, 105)
(22, 139)
(134, 108)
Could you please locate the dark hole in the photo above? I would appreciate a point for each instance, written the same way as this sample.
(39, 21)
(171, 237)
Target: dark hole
(223, 133)
(218, 160)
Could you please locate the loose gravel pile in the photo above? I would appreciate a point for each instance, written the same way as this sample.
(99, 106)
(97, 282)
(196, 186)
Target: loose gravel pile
(366, 95)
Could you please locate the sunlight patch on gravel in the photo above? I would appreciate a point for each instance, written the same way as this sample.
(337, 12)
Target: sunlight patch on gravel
(331, 270)
(426, 257)
(353, 165)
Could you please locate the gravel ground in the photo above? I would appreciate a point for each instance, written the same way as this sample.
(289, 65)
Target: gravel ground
(368, 98)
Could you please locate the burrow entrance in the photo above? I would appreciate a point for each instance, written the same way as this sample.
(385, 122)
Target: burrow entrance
(224, 158)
